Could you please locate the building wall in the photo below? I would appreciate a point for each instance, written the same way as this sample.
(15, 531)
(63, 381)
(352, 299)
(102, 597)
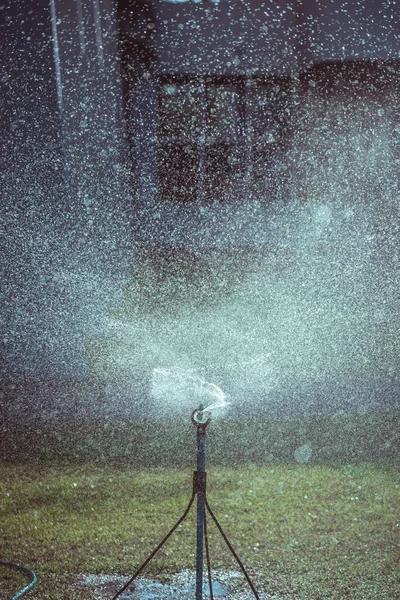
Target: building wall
(346, 144)
(340, 31)
(227, 38)
(270, 37)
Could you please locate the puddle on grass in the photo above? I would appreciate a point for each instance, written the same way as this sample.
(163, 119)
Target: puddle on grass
(181, 587)
(152, 591)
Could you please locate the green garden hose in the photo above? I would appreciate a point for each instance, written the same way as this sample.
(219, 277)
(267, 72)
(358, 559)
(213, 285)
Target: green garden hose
(26, 571)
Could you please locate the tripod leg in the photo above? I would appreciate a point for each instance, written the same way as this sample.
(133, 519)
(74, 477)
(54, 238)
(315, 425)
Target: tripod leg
(160, 545)
(208, 558)
(232, 550)
(201, 511)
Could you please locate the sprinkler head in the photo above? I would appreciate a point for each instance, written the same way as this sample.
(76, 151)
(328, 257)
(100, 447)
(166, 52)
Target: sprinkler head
(200, 416)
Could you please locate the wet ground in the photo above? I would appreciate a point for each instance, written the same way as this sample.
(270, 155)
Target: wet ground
(181, 587)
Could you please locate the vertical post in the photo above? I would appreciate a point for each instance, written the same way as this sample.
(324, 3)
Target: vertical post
(248, 133)
(202, 141)
(201, 467)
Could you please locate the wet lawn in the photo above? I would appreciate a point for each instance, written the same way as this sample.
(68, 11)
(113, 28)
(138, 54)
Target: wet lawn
(303, 531)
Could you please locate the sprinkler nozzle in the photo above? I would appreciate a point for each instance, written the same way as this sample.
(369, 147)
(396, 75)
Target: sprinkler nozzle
(200, 417)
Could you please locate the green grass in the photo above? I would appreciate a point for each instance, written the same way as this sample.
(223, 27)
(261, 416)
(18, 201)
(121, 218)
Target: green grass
(304, 531)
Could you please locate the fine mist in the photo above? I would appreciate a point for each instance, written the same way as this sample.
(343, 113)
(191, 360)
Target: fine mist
(257, 320)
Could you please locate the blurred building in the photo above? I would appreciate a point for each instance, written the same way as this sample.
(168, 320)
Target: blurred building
(200, 101)
(221, 96)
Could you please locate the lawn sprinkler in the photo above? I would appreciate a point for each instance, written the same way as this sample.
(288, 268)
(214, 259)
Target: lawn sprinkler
(201, 418)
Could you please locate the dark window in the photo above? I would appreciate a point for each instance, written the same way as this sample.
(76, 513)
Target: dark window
(180, 110)
(178, 166)
(220, 138)
(270, 105)
(224, 111)
(224, 171)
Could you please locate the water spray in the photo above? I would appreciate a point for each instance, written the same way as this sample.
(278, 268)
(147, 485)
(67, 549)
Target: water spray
(201, 418)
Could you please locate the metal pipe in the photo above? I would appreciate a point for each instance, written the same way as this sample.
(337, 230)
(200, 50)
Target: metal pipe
(201, 467)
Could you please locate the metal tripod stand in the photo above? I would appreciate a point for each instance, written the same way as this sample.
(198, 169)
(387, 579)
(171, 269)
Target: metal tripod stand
(201, 422)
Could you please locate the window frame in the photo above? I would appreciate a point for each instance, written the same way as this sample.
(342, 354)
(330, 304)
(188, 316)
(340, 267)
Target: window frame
(246, 138)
